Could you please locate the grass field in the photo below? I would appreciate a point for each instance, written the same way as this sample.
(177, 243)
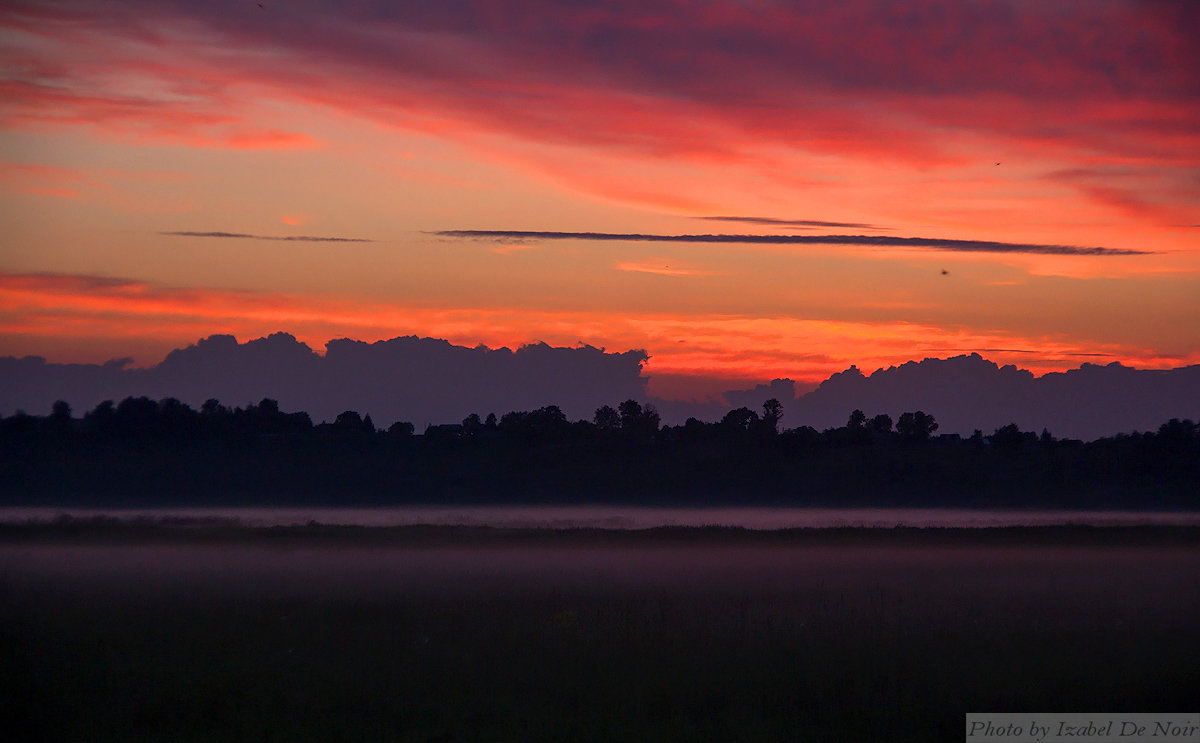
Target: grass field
(203, 633)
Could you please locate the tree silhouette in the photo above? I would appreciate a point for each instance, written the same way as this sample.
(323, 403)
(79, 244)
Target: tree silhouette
(349, 422)
(165, 453)
(772, 414)
(636, 421)
(882, 423)
(102, 418)
(917, 426)
(740, 419)
(60, 412)
(606, 418)
(401, 430)
(472, 425)
(630, 413)
(1009, 438)
(137, 415)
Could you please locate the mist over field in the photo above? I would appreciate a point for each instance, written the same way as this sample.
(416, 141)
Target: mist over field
(315, 633)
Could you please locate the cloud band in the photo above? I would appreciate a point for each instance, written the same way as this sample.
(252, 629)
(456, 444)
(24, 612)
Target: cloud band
(932, 243)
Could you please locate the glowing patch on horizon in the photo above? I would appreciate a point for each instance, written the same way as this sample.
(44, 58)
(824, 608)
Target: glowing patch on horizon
(806, 350)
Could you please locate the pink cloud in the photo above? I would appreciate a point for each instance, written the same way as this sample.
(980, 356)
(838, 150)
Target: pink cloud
(860, 77)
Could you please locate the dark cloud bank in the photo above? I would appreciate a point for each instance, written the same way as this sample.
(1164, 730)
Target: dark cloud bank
(969, 392)
(421, 380)
(930, 243)
(424, 380)
(803, 224)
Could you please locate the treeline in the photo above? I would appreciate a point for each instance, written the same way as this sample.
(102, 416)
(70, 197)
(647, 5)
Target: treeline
(142, 452)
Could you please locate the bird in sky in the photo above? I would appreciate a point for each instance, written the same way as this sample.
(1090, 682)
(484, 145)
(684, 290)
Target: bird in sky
(945, 272)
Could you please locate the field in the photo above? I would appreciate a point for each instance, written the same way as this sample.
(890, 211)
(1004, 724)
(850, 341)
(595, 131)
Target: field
(198, 632)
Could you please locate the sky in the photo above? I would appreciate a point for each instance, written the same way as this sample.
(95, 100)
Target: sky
(746, 190)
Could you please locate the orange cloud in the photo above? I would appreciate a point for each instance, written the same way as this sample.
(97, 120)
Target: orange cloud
(64, 308)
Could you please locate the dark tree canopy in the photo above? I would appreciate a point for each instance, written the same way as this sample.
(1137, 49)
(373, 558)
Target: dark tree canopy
(146, 452)
(917, 426)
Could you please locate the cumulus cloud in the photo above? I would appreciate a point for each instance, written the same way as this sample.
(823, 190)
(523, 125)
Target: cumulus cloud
(931, 243)
(969, 392)
(421, 380)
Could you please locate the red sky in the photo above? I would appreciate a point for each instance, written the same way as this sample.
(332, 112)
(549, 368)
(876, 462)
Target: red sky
(1066, 124)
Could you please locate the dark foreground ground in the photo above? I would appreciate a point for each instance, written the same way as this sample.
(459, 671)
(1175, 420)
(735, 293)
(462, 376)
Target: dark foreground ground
(207, 632)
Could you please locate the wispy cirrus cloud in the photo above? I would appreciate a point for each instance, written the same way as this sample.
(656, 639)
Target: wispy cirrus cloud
(280, 238)
(800, 224)
(856, 79)
(77, 102)
(931, 243)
